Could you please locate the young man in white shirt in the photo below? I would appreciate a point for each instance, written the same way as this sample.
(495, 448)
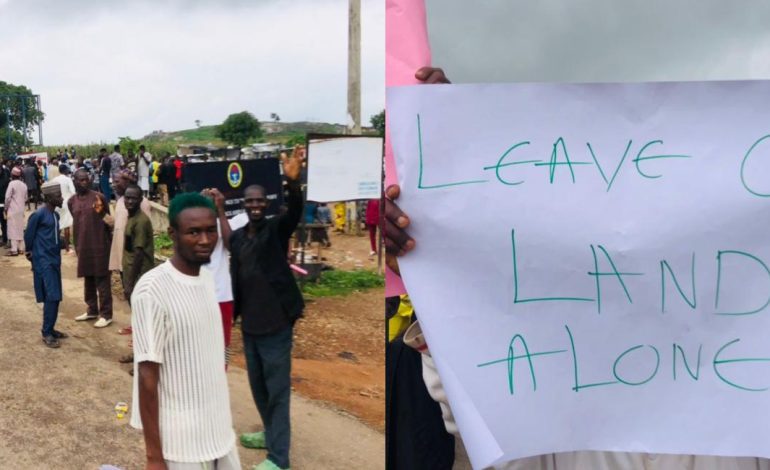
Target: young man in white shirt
(143, 161)
(180, 387)
(220, 262)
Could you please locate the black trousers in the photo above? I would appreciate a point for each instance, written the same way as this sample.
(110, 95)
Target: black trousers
(4, 225)
(415, 437)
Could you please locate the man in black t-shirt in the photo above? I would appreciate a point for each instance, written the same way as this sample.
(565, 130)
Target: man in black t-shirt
(266, 295)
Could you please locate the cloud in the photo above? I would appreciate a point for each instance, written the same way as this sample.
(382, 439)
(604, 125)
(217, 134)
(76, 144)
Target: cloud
(599, 40)
(140, 66)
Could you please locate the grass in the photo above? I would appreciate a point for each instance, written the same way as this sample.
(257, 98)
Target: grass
(203, 133)
(334, 283)
(163, 244)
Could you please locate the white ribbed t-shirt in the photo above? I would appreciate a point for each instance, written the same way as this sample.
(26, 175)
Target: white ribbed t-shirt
(176, 322)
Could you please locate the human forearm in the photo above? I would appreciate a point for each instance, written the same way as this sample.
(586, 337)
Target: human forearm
(235, 268)
(149, 373)
(224, 224)
(290, 220)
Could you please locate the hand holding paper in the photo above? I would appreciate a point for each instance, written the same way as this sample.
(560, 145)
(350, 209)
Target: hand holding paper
(397, 240)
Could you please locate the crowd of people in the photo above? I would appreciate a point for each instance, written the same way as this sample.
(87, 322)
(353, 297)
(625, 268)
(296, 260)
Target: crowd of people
(159, 177)
(182, 310)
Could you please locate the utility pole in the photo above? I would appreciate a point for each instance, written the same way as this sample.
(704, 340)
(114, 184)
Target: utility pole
(354, 95)
(9, 100)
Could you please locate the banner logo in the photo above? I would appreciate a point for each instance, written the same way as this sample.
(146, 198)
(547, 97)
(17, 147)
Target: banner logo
(234, 174)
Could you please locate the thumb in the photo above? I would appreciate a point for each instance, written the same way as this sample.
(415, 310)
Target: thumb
(393, 191)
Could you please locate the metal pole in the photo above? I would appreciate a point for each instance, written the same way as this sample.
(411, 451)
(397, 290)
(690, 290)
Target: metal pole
(303, 229)
(24, 121)
(381, 218)
(8, 121)
(40, 123)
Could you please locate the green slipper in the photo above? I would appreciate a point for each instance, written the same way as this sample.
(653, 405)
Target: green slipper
(268, 465)
(254, 440)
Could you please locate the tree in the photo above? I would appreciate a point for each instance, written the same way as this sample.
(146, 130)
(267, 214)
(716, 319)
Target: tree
(197, 123)
(239, 128)
(378, 122)
(19, 114)
(275, 117)
(296, 139)
(128, 145)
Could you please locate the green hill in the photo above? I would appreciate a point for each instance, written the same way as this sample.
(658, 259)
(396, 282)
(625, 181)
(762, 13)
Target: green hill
(274, 132)
(159, 142)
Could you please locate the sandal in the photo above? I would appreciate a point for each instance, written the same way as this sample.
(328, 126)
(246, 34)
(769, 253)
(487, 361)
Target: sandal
(12, 253)
(127, 359)
(254, 440)
(126, 330)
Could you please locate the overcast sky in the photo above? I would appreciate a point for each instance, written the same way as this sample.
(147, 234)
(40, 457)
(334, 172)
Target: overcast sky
(600, 40)
(109, 68)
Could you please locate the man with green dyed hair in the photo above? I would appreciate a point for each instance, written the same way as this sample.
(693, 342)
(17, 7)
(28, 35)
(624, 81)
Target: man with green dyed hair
(181, 399)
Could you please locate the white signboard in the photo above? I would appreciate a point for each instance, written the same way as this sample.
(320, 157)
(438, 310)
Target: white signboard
(591, 266)
(38, 156)
(344, 169)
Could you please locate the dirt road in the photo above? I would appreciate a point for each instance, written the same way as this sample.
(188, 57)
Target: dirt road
(56, 406)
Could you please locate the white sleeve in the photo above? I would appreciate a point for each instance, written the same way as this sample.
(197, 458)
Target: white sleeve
(436, 391)
(149, 323)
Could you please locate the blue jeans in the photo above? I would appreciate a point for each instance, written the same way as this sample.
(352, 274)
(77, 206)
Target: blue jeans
(268, 361)
(50, 314)
(104, 184)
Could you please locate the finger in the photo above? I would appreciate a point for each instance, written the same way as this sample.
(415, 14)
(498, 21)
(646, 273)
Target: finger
(431, 75)
(423, 73)
(395, 215)
(437, 76)
(397, 241)
(393, 237)
(392, 192)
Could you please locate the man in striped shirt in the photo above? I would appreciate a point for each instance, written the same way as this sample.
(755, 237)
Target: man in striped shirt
(180, 387)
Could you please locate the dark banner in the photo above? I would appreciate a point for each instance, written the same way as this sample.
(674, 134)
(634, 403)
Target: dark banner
(232, 177)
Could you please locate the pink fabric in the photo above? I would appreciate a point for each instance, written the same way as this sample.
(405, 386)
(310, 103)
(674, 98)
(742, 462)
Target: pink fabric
(406, 50)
